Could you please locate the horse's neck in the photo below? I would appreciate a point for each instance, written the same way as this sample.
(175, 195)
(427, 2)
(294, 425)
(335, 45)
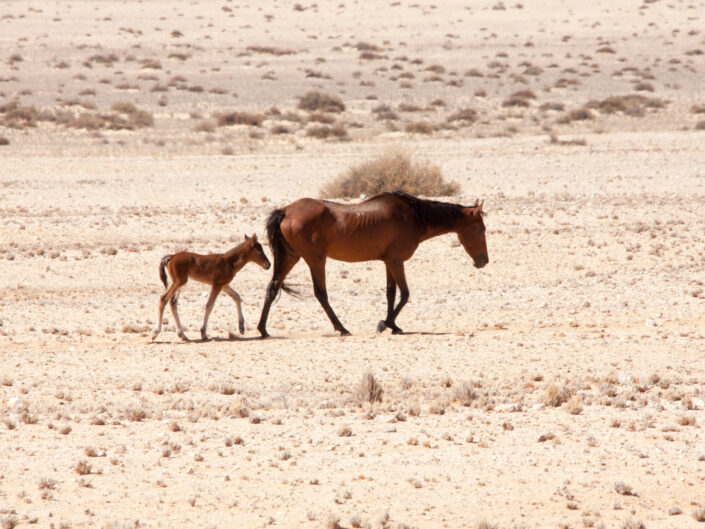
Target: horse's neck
(435, 231)
(236, 257)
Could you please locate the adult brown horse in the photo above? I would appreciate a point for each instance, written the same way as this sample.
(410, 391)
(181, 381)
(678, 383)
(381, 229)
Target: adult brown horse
(386, 227)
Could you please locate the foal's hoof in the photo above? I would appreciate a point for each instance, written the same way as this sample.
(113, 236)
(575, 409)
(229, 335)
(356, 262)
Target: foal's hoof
(154, 335)
(183, 337)
(241, 327)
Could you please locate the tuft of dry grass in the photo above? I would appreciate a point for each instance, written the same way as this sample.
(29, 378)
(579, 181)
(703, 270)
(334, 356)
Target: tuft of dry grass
(553, 396)
(393, 171)
(622, 488)
(466, 115)
(316, 101)
(632, 104)
(419, 127)
(465, 394)
(630, 523)
(239, 118)
(82, 468)
(699, 514)
(368, 389)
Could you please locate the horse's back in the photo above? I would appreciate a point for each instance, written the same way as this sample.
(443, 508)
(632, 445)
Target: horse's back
(349, 232)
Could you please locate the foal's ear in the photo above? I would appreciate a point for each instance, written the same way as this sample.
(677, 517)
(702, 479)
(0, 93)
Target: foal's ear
(247, 238)
(479, 206)
(254, 238)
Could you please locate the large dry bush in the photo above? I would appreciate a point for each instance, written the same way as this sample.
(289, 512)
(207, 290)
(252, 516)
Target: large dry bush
(316, 101)
(393, 171)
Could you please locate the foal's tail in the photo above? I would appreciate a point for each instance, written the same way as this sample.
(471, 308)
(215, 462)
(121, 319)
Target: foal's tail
(279, 246)
(162, 270)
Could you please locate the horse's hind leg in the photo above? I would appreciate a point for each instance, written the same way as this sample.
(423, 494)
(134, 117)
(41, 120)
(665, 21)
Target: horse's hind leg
(281, 270)
(168, 296)
(215, 290)
(173, 303)
(238, 301)
(391, 295)
(318, 275)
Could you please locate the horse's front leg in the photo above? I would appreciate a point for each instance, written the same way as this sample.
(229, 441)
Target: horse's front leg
(395, 269)
(391, 295)
(238, 301)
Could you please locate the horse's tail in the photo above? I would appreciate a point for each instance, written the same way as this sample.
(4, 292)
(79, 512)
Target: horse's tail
(279, 246)
(162, 270)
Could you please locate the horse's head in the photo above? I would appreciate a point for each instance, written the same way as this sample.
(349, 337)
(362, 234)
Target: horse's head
(256, 252)
(472, 235)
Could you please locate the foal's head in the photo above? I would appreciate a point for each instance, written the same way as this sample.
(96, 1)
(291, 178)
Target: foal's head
(255, 252)
(472, 235)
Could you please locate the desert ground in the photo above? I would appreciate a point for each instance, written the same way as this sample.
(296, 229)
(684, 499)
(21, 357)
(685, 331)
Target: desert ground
(560, 386)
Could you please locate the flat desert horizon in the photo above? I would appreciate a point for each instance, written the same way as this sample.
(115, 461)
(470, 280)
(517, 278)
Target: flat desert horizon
(562, 385)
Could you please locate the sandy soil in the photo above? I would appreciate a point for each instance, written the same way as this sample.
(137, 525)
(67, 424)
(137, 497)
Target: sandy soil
(560, 386)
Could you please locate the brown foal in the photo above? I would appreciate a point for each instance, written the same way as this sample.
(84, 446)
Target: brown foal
(216, 269)
(386, 227)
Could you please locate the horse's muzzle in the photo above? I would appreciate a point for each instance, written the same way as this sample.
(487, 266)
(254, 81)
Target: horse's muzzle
(481, 260)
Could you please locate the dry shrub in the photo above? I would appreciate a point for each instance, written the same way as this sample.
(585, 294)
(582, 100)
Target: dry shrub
(468, 115)
(577, 114)
(465, 394)
(4, 141)
(553, 396)
(419, 127)
(700, 125)
(393, 171)
(82, 468)
(268, 50)
(323, 131)
(385, 112)
(369, 389)
(632, 524)
(622, 488)
(574, 406)
(698, 109)
(633, 104)
(239, 118)
(699, 514)
(317, 101)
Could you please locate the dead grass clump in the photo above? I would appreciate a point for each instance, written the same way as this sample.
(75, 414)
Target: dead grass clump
(368, 389)
(632, 524)
(553, 396)
(698, 109)
(393, 171)
(419, 127)
(632, 105)
(577, 114)
(622, 488)
(556, 141)
(317, 101)
(520, 98)
(699, 514)
(4, 141)
(574, 406)
(467, 115)
(385, 112)
(269, 50)
(8, 522)
(239, 118)
(82, 468)
(465, 394)
(700, 125)
(323, 132)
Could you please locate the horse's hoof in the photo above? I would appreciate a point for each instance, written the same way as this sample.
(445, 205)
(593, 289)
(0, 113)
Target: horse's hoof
(381, 326)
(183, 337)
(154, 335)
(397, 330)
(263, 333)
(242, 327)
(345, 332)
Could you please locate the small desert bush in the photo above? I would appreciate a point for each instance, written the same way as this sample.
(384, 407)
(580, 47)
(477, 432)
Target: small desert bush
(4, 141)
(82, 468)
(239, 118)
(699, 514)
(419, 127)
(368, 389)
(700, 125)
(633, 104)
(577, 114)
(465, 394)
(622, 488)
(467, 115)
(553, 396)
(393, 171)
(316, 101)
(323, 131)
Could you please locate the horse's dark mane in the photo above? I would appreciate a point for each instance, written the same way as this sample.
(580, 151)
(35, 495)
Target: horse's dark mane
(430, 212)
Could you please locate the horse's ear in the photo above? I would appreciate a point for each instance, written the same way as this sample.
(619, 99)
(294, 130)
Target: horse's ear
(479, 206)
(247, 238)
(254, 238)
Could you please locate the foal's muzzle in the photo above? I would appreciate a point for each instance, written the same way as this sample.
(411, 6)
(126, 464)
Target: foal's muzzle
(481, 260)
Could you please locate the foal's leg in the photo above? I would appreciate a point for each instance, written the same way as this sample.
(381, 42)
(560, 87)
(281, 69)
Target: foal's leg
(318, 275)
(391, 294)
(238, 301)
(215, 290)
(396, 270)
(163, 300)
(280, 272)
(173, 303)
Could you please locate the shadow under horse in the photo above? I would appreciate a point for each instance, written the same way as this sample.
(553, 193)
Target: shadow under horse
(387, 227)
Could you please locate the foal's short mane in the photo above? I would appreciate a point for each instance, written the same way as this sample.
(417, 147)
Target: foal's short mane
(431, 212)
